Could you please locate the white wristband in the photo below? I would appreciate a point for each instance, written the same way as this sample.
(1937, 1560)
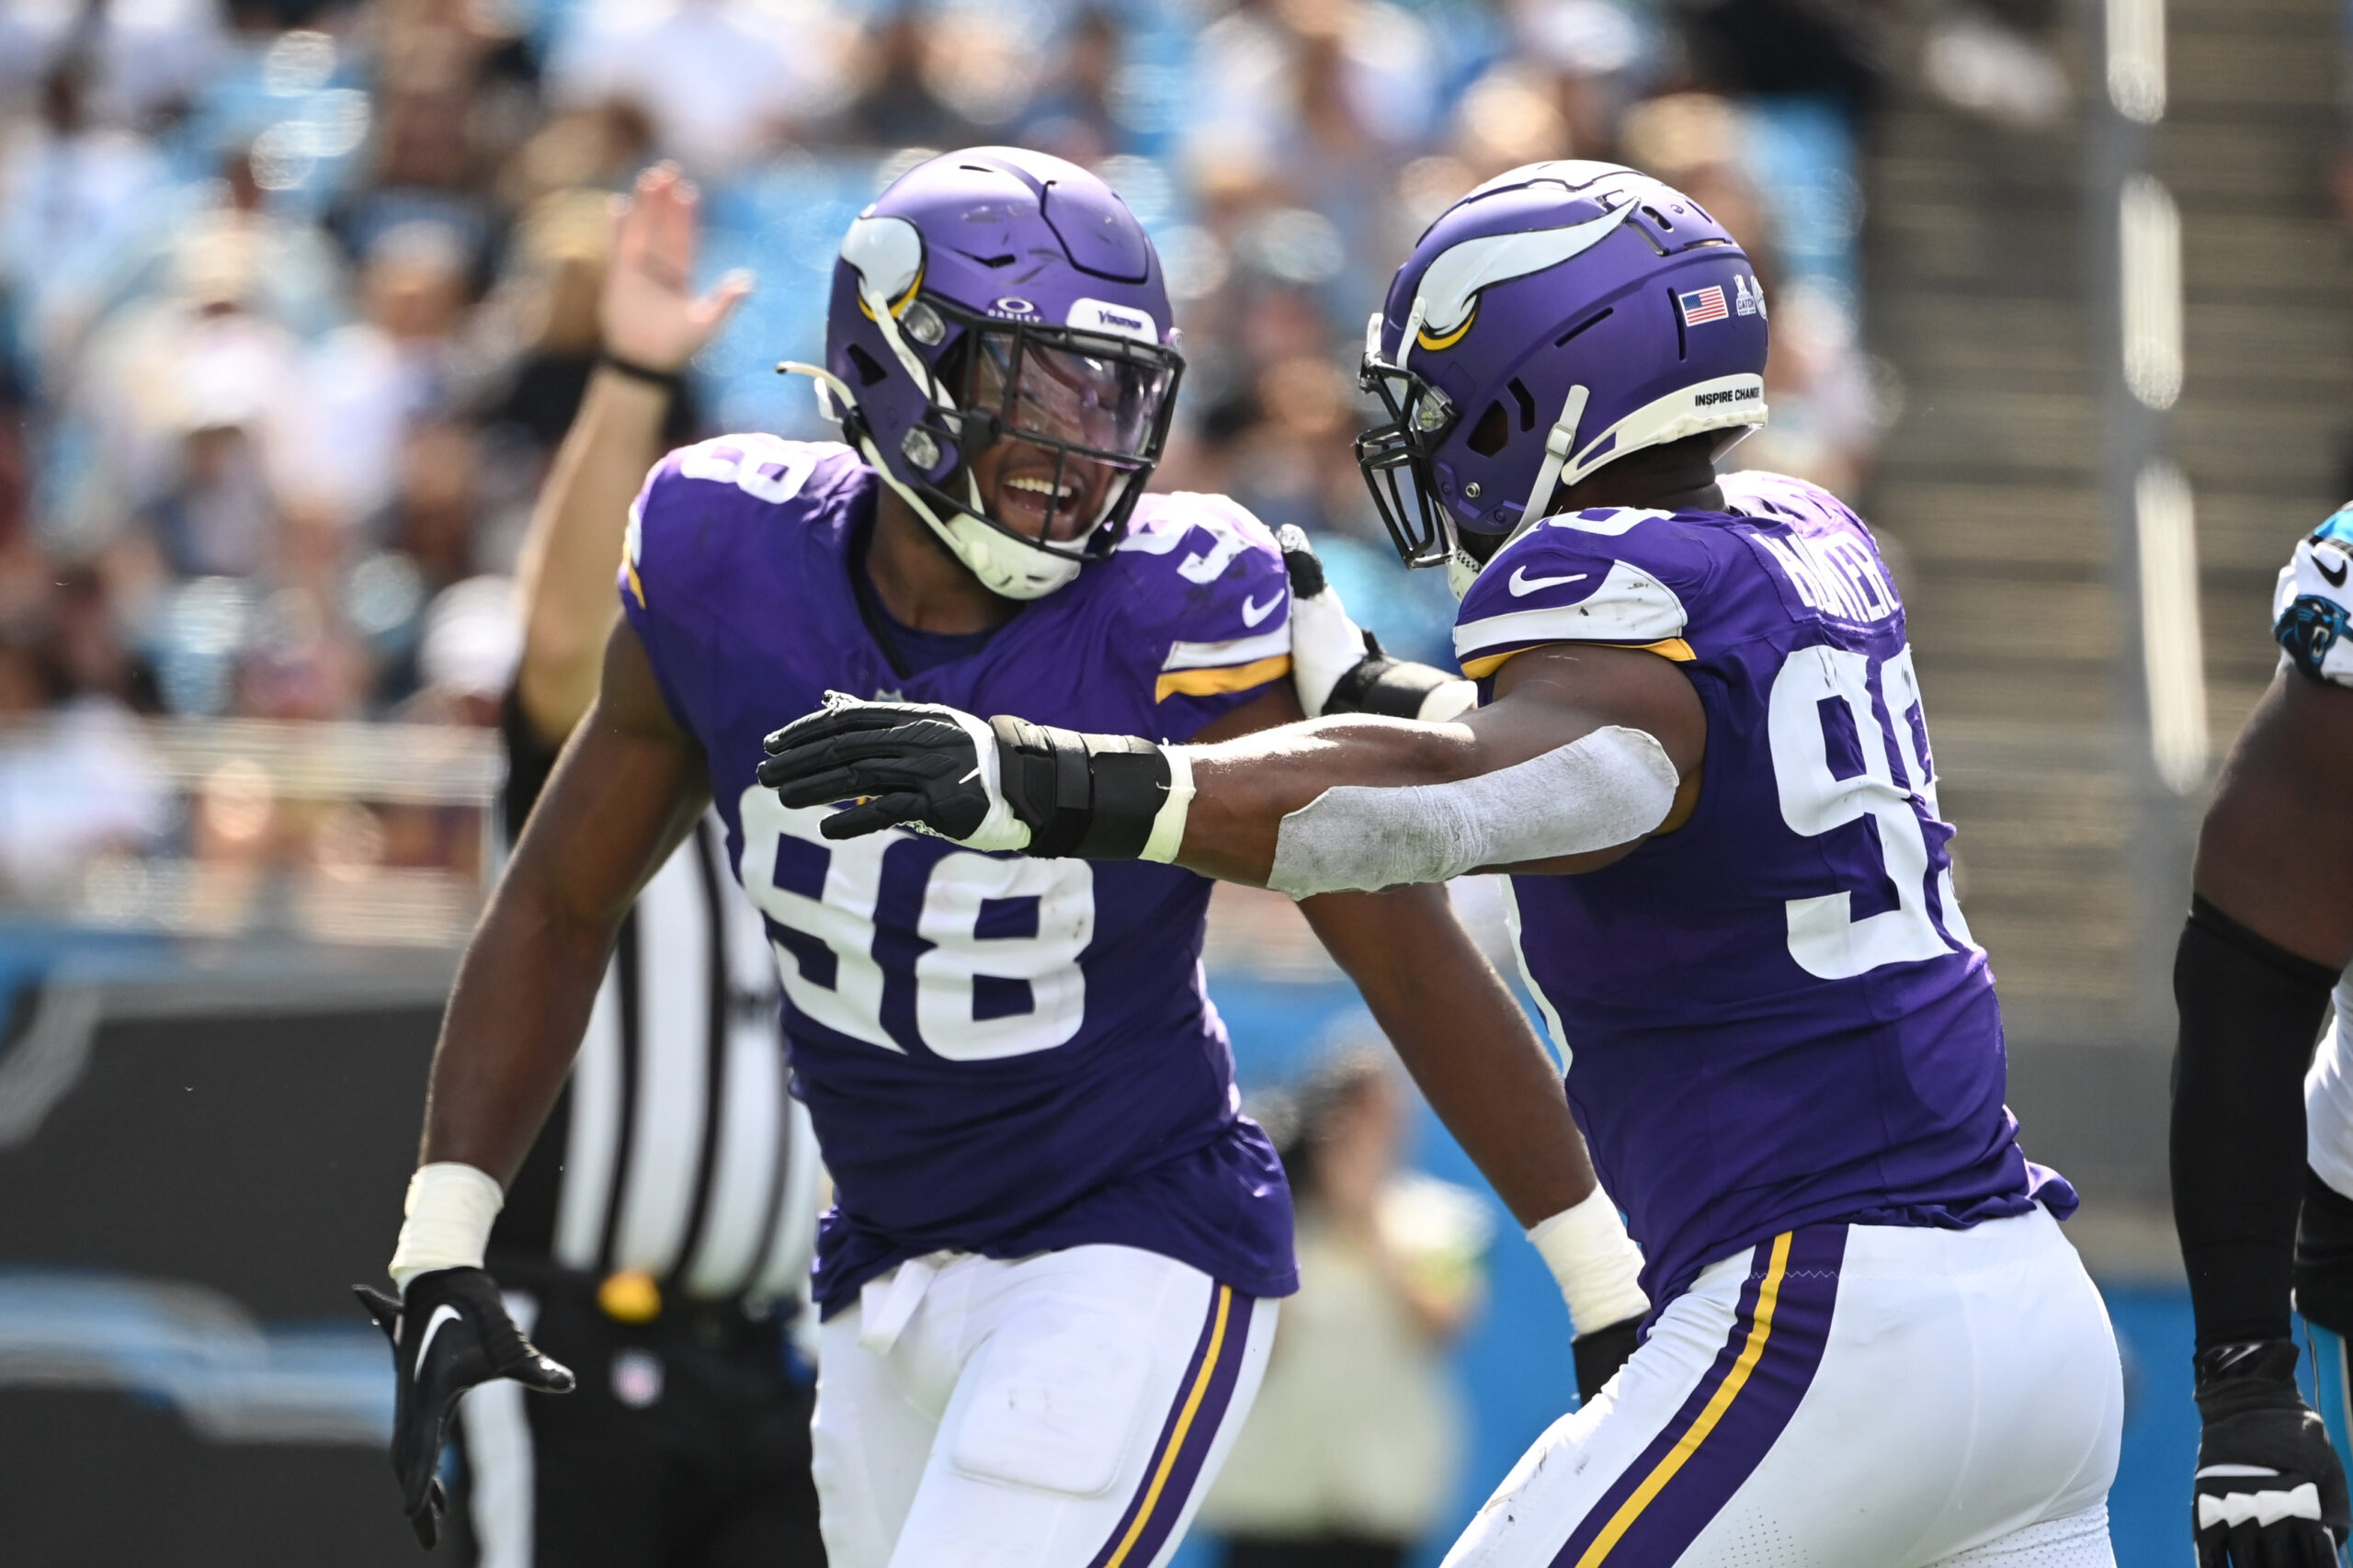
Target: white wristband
(450, 1209)
(1596, 1262)
(1169, 823)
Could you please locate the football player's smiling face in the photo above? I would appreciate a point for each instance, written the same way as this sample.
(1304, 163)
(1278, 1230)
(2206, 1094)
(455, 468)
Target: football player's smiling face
(1041, 494)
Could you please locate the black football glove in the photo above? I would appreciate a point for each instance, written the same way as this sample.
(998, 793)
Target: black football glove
(903, 764)
(2270, 1492)
(450, 1332)
(1000, 784)
(1599, 1355)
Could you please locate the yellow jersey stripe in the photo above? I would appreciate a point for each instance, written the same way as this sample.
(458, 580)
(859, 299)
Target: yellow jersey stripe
(1674, 648)
(1233, 677)
(1177, 1438)
(1760, 1330)
(636, 588)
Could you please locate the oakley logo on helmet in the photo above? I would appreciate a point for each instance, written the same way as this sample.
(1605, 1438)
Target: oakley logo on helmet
(1120, 320)
(1013, 305)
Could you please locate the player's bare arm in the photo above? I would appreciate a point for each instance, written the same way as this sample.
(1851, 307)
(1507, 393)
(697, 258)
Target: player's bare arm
(1464, 1039)
(627, 789)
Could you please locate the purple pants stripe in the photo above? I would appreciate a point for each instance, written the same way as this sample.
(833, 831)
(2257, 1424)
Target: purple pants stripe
(1723, 1432)
(1203, 1395)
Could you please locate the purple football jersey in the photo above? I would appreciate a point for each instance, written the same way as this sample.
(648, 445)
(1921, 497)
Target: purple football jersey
(1000, 1055)
(1773, 1015)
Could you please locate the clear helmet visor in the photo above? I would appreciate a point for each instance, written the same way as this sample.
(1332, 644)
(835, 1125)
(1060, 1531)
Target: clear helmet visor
(1069, 428)
(1103, 404)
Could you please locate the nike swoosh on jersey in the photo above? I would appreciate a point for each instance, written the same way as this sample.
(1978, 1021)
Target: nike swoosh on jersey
(2336, 578)
(1521, 583)
(443, 1313)
(1253, 612)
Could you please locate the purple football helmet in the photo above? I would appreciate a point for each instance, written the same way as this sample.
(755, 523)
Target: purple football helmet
(1557, 318)
(1001, 294)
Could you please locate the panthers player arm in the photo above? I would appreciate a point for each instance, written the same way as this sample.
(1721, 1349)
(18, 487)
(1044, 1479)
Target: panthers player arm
(2271, 926)
(625, 790)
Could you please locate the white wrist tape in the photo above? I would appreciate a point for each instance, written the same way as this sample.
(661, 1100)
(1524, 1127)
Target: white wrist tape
(451, 1207)
(1169, 823)
(1601, 790)
(1448, 702)
(1596, 1261)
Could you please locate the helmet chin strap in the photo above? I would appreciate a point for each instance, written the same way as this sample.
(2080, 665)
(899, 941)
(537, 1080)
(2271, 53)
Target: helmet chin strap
(1559, 443)
(975, 544)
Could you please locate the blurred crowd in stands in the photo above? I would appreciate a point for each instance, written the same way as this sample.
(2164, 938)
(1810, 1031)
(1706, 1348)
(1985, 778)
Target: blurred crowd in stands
(297, 298)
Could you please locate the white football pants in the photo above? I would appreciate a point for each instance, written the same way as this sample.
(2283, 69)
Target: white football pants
(1841, 1397)
(1064, 1411)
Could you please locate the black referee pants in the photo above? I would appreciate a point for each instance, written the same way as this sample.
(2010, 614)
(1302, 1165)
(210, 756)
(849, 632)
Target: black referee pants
(685, 1444)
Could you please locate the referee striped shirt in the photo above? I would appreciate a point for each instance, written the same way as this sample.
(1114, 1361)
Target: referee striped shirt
(677, 1147)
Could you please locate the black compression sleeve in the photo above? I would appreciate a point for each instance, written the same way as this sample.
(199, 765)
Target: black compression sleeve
(2250, 1012)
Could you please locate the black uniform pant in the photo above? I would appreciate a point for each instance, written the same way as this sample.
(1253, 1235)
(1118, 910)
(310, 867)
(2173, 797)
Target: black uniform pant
(685, 1444)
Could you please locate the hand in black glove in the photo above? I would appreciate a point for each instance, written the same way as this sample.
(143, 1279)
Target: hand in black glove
(2270, 1492)
(1004, 784)
(1599, 1355)
(917, 764)
(450, 1332)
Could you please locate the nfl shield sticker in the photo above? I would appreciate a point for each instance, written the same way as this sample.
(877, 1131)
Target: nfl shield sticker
(1704, 305)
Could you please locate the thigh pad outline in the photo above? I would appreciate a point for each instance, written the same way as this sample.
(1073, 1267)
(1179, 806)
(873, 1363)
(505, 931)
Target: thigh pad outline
(1057, 1405)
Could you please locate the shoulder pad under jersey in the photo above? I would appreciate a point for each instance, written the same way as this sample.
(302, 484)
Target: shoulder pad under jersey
(1207, 584)
(1619, 576)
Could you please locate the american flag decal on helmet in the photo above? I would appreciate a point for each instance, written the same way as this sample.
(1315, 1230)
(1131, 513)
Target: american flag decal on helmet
(1702, 304)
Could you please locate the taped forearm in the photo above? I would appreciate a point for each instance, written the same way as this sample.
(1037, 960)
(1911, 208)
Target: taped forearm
(2250, 1012)
(1603, 789)
(449, 1210)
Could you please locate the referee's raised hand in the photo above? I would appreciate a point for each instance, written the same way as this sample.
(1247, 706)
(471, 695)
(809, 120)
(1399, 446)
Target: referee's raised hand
(649, 313)
(449, 1333)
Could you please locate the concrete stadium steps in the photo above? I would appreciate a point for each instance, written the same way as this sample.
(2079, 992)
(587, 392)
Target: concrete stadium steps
(1981, 295)
(1986, 491)
(2267, 404)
